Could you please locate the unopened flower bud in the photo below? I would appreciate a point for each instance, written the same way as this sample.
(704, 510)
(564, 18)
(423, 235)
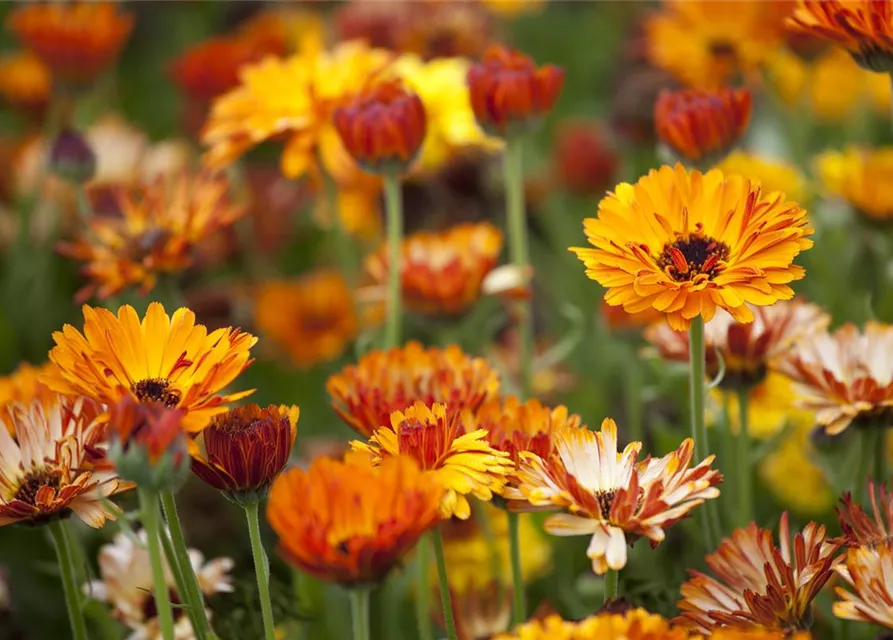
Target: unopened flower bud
(71, 158)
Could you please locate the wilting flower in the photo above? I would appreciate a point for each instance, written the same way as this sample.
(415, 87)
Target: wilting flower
(585, 162)
(611, 496)
(508, 91)
(866, 571)
(53, 466)
(24, 81)
(156, 234)
(77, 41)
(702, 124)
(241, 452)
(861, 529)
(442, 273)
(842, 376)
(747, 350)
(126, 584)
(758, 583)
(859, 176)
(864, 28)
(163, 359)
(312, 318)
(350, 522)
(773, 175)
(441, 443)
(23, 386)
(686, 243)
(367, 393)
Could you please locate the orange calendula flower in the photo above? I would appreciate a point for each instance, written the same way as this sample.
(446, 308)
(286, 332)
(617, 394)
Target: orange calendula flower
(24, 81)
(701, 124)
(840, 377)
(77, 40)
(163, 359)
(349, 522)
(862, 27)
(312, 318)
(53, 467)
(367, 393)
(866, 572)
(157, 232)
(463, 463)
(759, 584)
(860, 177)
(748, 351)
(609, 495)
(861, 529)
(442, 273)
(382, 127)
(619, 319)
(24, 386)
(241, 452)
(508, 90)
(635, 624)
(687, 243)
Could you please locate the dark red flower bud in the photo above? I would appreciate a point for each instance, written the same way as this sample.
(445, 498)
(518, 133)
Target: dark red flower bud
(71, 157)
(584, 160)
(383, 127)
(508, 91)
(696, 123)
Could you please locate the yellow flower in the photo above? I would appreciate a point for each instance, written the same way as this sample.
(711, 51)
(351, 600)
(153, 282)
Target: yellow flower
(23, 386)
(463, 462)
(635, 624)
(163, 359)
(513, 8)
(861, 177)
(686, 243)
(773, 175)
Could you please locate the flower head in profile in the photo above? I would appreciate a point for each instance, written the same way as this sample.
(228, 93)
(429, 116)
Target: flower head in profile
(608, 495)
(866, 572)
(163, 359)
(862, 27)
(125, 582)
(24, 81)
(509, 92)
(861, 529)
(701, 124)
(442, 273)
(77, 40)
(843, 377)
(687, 243)
(367, 393)
(859, 177)
(241, 452)
(313, 318)
(758, 583)
(773, 175)
(53, 466)
(23, 386)
(349, 522)
(460, 459)
(748, 351)
(156, 234)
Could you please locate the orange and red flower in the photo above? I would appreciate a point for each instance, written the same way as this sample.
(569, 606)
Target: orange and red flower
(25, 81)
(867, 572)
(349, 522)
(508, 90)
(861, 529)
(700, 124)
(148, 443)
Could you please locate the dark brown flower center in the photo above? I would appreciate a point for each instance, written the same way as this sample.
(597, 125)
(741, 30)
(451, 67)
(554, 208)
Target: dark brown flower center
(156, 390)
(688, 257)
(34, 480)
(150, 607)
(605, 499)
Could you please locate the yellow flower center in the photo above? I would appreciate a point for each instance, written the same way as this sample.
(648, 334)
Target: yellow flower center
(156, 390)
(687, 258)
(34, 480)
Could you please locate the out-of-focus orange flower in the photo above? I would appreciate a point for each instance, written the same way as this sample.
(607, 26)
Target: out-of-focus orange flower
(508, 90)
(758, 583)
(772, 174)
(292, 29)
(241, 452)
(25, 81)
(859, 176)
(513, 8)
(861, 529)
(77, 40)
(585, 162)
(367, 393)
(382, 127)
(862, 27)
(151, 431)
(23, 386)
(442, 273)
(618, 319)
(866, 571)
(349, 522)
(698, 124)
(158, 230)
(634, 624)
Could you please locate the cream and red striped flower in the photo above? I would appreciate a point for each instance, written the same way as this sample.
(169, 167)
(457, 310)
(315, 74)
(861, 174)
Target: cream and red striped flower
(866, 572)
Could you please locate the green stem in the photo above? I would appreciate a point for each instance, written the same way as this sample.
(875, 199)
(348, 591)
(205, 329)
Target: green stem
(261, 570)
(187, 582)
(344, 246)
(518, 608)
(633, 396)
(513, 167)
(697, 365)
(359, 610)
(744, 477)
(445, 599)
(394, 211)
(880, 453)
(612, 585)
(423, 592)
(72, 592)
(152, 522)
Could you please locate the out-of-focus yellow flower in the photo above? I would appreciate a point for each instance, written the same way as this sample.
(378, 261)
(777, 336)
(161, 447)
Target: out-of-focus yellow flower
(773, 175)
(23, 385)
(24, 81)
(513, 8)
(297, 30)
(861, 177)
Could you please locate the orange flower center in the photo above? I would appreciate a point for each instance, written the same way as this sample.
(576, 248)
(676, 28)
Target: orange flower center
(34, 481)
(427, 443)
(156, 390)
(688, 257)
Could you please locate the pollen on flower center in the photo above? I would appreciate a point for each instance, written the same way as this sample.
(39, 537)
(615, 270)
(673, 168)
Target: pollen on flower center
(156, 390)
(34, 480)
(685, 258)
(605, 499)
(425, 442)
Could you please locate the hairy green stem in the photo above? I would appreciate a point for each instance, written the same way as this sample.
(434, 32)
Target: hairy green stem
(72, 592)
(359, 611)
(612, 585)
(445, 599)
(423, 591)
(261, 570)
(519, 613)
(151, 519)
(744, 477)
(697, 366)
(394, 212)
